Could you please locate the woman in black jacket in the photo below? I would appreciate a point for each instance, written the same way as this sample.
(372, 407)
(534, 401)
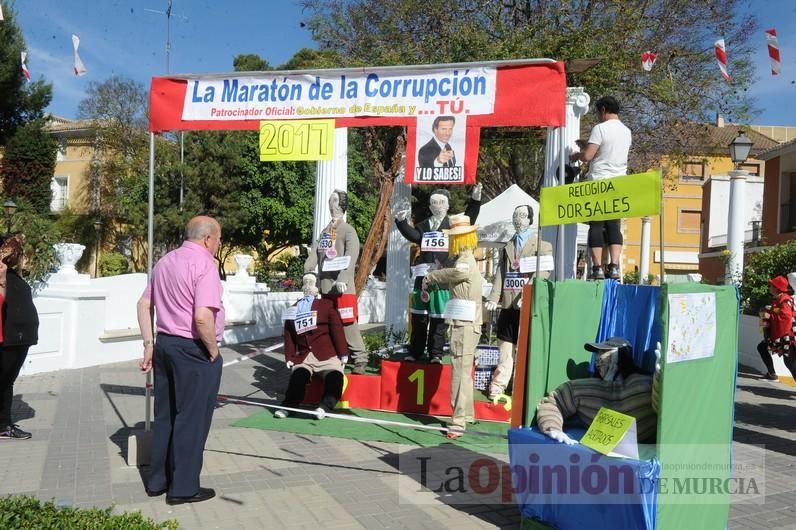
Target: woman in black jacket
(20, 322)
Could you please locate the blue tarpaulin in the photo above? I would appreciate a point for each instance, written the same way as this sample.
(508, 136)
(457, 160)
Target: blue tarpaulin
(630, 311)
(573, 487)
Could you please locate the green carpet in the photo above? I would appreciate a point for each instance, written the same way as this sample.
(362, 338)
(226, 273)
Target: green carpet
(338, 428)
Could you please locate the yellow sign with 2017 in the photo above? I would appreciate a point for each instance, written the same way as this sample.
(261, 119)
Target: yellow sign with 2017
(601, 200)
(296, 140)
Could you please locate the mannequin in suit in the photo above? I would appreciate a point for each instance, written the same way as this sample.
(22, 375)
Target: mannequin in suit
(428, 326)
(507, 292)
(438, 152)
(314, 344)
(339, 239)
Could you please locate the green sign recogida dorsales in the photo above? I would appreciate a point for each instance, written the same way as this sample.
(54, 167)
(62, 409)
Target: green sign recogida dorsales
(601, 200)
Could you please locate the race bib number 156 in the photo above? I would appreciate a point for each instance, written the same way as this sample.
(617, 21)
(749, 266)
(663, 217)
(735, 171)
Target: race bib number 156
(434, 242)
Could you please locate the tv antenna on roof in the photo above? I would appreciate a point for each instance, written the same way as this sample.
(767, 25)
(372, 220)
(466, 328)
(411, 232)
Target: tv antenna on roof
(169, 13)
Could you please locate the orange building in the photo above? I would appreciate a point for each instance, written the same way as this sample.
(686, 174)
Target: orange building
(683, 212)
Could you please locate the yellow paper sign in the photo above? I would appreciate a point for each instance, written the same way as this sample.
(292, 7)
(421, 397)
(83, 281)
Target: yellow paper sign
(601, 200)
(296, 140)
(607, 430)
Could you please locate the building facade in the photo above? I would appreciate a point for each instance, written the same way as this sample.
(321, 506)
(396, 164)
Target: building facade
(683, 213)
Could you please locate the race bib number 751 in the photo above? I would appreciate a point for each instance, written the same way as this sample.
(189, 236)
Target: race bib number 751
(306, 322)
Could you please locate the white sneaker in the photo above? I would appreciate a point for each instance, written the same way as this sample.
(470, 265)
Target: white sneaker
(281, 414)
(320, 413)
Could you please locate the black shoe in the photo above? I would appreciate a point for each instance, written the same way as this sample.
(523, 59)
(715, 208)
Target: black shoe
(13, 432)
(613, 271)
(157, 493)
(597, 273)
(203, 495)
(771, 377)
(436, 359)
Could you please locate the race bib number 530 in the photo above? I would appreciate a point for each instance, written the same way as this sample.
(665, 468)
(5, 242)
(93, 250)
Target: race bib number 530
(434, 242)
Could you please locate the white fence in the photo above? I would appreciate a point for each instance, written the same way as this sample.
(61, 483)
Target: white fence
(87, 322)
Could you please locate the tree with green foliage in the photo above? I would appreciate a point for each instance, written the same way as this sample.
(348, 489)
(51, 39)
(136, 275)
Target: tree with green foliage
(777, 260)
(261, 205)
(41, 233)
(684, 86)
(28, 164)
(250, 62)
(118, 173)
(21, 101)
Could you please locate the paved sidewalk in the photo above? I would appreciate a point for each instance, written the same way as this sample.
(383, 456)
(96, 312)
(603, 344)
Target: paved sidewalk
(81, 419)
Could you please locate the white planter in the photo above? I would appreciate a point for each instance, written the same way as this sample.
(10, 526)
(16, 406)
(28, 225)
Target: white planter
(68, 254)
(242, 261)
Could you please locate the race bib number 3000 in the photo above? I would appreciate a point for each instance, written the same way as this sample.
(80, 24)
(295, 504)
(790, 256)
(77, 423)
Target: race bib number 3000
(306, 322)
(434, 242)
(513, 282)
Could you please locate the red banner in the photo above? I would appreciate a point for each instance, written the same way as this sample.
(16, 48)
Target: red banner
(525, 94)
(443, 107)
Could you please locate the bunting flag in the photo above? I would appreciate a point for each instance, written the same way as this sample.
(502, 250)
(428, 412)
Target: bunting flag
(79, 67)
(773, 50)
(721, 58)
(24, 66)
(648, 60)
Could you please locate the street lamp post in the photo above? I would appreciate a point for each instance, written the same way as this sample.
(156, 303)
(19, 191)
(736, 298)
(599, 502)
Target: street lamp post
(739, 152)
(10, 209)
(98, 228)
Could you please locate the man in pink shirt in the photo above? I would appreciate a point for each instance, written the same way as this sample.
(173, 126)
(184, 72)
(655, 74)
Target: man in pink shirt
(185, 293)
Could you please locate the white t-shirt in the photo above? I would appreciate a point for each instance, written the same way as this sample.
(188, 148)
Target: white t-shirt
(613, 139)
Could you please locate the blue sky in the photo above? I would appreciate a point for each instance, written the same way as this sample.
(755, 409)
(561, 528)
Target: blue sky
(122, 37)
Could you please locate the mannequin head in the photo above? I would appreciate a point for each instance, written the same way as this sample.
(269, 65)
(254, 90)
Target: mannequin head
(439, 203)
(613, 358)
(309, 286)
(607, 364)
(522, 219)
(338, 203)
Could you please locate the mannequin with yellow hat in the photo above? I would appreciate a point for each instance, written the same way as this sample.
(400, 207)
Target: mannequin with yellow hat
(463, 315)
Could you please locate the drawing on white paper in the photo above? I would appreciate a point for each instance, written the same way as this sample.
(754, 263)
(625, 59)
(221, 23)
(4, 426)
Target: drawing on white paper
(692, 327)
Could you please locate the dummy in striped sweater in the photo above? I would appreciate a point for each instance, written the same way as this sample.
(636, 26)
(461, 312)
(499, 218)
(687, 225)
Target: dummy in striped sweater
(618, 388)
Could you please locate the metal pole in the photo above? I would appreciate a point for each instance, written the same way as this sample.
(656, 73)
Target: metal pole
(182, 166)
(560, 233)
(150, 242)
(660, 235)
(644, 258)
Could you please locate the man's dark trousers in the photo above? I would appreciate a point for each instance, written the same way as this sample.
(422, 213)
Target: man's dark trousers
(186, 387)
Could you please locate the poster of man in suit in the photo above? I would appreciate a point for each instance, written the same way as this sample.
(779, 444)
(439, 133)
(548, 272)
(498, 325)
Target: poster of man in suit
(441, 145)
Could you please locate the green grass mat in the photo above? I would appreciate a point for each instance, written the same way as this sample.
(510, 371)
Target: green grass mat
(382, 433)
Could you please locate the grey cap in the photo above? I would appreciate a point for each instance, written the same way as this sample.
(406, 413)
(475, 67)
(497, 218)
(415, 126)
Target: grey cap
(607, 344)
